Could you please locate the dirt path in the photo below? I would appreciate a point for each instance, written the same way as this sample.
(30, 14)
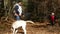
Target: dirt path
(35, 29)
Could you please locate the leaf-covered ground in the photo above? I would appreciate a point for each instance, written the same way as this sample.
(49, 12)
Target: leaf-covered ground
(38, 28)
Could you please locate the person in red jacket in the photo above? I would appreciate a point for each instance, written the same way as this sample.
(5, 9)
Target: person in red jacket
(52, 18)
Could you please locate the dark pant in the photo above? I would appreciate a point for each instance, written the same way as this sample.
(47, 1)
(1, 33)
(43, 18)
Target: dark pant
(52, 23)
(17, 17)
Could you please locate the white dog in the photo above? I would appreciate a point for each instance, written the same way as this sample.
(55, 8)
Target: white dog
(20, 23)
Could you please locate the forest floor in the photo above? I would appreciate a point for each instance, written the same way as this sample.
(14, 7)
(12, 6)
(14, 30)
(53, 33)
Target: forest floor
(39, 28)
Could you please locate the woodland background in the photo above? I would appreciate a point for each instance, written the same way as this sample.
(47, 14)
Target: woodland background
(36, 10)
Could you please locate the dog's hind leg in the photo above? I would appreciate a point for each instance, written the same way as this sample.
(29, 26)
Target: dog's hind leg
(16, 31)
(24, 28)
(13, 30)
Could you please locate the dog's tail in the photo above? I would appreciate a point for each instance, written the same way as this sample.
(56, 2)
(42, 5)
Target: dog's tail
(30, 22)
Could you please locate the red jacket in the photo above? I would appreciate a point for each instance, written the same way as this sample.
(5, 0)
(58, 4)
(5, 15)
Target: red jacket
(52, 17)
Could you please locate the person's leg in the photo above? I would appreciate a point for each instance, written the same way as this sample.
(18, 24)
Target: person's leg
(17, 17)
(51, 23)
